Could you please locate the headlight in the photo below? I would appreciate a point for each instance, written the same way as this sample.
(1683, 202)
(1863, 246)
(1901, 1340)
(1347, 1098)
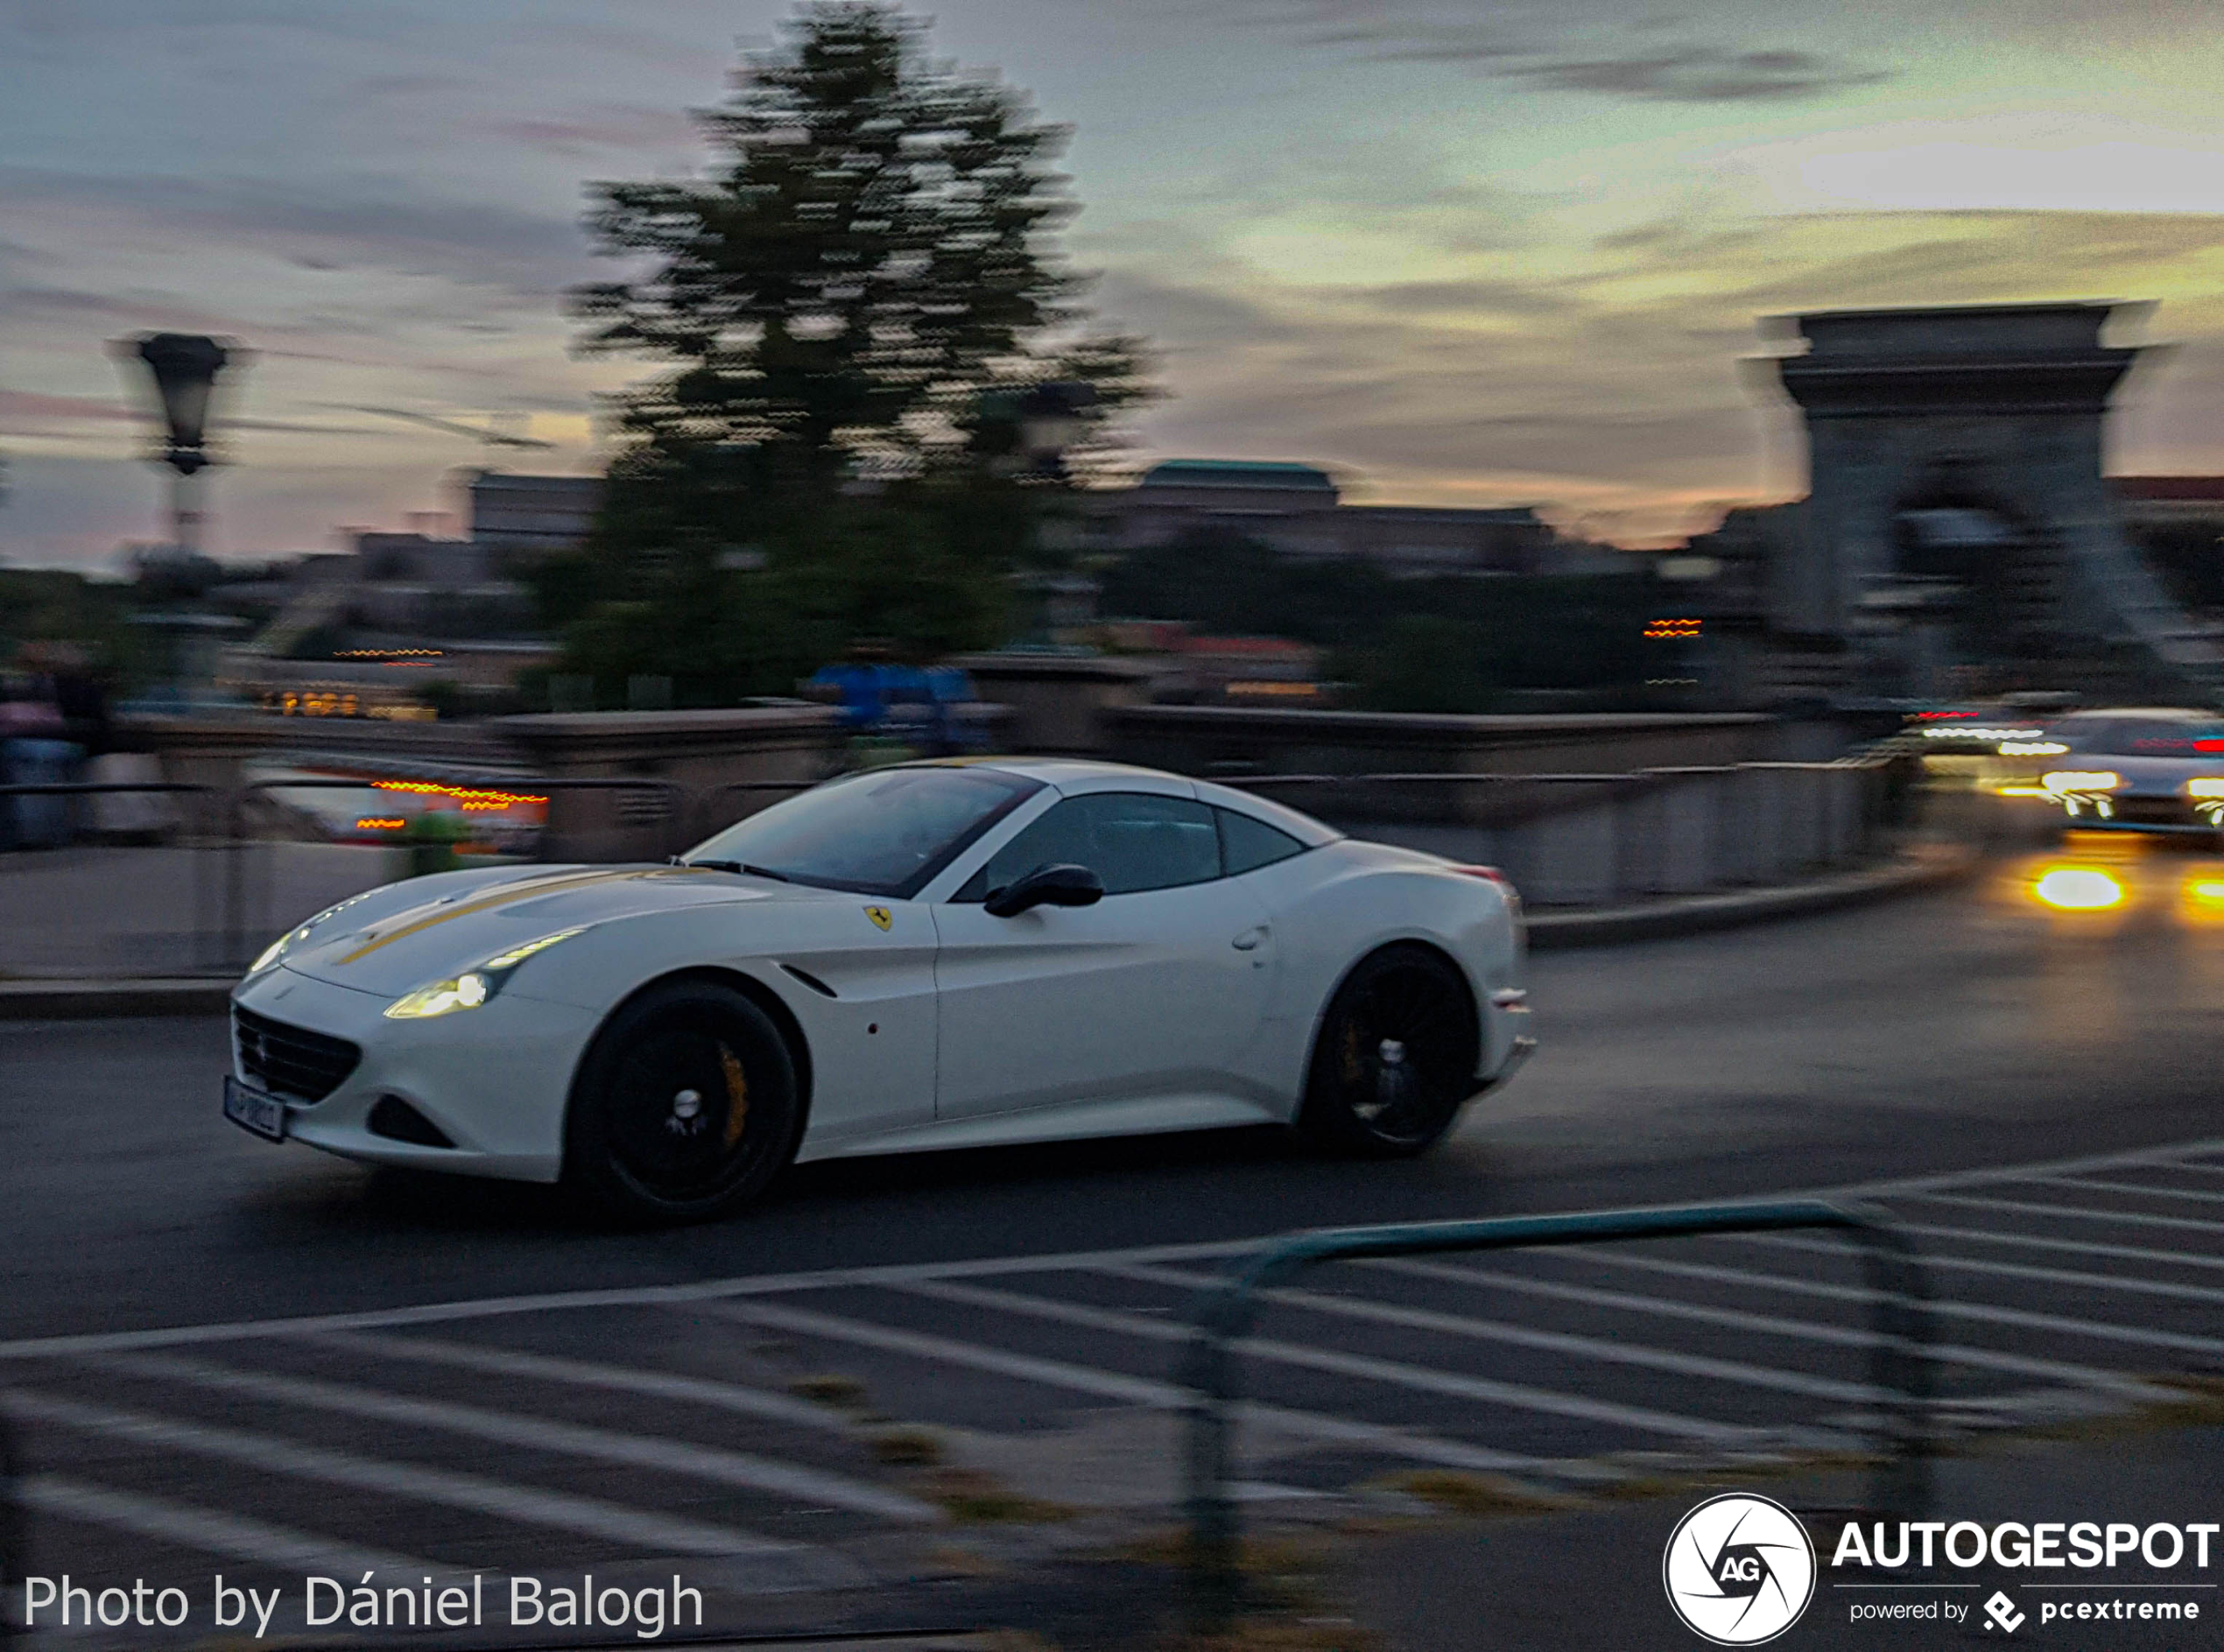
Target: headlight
(2031, 748)
(2207, 788)
(2065, 780)
(287, 942)
(471, 988)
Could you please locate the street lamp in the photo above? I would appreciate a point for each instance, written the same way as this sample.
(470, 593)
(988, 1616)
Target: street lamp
(184, 368)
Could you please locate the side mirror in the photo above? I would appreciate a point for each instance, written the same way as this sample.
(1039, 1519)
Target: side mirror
(1046, 886)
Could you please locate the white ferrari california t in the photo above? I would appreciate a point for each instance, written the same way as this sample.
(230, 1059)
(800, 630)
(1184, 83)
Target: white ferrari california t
(938, 955)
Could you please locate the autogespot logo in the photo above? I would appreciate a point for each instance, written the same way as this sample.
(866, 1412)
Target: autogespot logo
(1739, 1570)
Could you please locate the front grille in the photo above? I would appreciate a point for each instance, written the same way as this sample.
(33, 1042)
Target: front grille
(2155, 812)
(290, 1061)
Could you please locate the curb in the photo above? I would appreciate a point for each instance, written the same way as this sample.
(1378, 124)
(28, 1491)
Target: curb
(1692, 914)
(1689, 915)
(87, 1000)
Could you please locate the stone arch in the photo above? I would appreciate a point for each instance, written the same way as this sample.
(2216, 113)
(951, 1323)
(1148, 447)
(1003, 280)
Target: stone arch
(1996, 409)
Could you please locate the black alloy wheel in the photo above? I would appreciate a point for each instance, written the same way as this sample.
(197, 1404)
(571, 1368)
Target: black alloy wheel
(685, 1108)
(1395, 1055)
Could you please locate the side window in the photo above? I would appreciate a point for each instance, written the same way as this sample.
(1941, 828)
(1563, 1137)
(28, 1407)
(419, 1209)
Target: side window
(1133, 840)
(1247, 845)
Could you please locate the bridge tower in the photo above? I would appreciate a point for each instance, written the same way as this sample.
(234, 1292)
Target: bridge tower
(1955, 476)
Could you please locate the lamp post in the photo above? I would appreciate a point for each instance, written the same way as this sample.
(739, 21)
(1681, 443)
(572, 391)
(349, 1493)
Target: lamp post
(184, 368)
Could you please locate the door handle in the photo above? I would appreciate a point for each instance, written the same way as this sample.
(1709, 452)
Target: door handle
(1249, 940)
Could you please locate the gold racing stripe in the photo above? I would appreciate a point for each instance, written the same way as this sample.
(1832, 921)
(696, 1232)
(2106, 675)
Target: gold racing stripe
(520, 891)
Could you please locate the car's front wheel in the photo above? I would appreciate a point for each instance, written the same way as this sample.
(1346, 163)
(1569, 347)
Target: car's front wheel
(1394, 1057)
(685, 1108)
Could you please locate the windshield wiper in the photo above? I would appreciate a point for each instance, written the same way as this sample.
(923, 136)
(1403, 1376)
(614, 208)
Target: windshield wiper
(742, 867)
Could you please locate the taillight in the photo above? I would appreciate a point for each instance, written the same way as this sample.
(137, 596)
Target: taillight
(1488, 874)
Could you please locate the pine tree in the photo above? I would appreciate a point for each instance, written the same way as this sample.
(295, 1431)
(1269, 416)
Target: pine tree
(853, 299)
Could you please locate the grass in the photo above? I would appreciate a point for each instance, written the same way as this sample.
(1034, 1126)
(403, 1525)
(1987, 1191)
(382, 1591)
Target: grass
(832, 1388)
(980, 1499)
(908, 1447)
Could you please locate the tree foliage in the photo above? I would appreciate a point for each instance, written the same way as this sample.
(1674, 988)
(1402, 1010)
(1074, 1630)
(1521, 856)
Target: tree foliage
(841, 297)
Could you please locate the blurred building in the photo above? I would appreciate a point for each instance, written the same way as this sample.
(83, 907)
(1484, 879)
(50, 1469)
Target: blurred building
(1298, 510)
(517, 518)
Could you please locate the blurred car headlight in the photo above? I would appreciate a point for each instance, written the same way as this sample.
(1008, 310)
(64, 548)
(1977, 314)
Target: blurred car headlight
(2032, 748)
(2068, 780)
(2211, 787)
(294, 936)
(471, 988)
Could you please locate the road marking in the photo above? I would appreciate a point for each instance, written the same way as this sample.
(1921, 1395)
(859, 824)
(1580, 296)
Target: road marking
(658, 1534)
(72, 1344)
(538, 1433)
(1396, 1374)
(2018, 1270)
(1592, 1348)
(2025, 1207)
(616, 1378)
(2083, 1376)
(2083, 1248)
(211, 1531)
(2138, 1188)
(1163, 1396)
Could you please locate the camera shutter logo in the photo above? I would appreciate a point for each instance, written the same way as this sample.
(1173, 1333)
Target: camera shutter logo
(1739, 1570)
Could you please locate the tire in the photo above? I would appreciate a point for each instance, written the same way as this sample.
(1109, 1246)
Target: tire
(685, 1108)
(1395, 1055)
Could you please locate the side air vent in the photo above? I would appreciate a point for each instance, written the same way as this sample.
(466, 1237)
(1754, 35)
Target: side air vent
(810, 981)
(396, 1120)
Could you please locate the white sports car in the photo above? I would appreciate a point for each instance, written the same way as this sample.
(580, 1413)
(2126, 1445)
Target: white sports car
(932, 955)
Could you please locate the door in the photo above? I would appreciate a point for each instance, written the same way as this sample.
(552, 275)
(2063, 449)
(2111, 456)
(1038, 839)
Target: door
(1154, 991)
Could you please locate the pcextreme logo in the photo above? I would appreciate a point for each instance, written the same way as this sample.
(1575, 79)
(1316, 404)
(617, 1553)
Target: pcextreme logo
(1739, 1570)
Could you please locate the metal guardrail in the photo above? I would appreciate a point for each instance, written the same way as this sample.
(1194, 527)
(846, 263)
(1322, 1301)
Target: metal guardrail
(1226, 1312)
(672, 812)
(1637, 856)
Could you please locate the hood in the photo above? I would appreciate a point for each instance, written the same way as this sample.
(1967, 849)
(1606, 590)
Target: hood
(2149, 776)
(457, 929)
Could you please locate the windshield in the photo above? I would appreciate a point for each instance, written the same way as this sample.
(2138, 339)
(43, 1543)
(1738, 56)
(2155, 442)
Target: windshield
(2142, 737)
(885, 832)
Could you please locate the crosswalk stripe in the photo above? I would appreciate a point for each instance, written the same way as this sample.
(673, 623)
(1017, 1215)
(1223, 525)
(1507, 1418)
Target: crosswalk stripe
(538, 1433)
(2076, 1246)
(1396, 1374)
(2083, 1183)
(1526, 1337)
(1935, 1262)
(658, 1534)
(2025, 1207)
(2085, 1376)
(209, 1530)
(70, 1345)
(616, 1378)
(1945, 1353)
(1411, 1445)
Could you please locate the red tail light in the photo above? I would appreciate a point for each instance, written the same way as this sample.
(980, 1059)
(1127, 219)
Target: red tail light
(1488, 874)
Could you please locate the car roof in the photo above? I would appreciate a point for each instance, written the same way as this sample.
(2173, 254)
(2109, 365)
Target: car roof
(1074, 775)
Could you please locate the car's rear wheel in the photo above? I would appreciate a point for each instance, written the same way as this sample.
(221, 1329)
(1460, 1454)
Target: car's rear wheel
(1395, 1055)
(685, 1108)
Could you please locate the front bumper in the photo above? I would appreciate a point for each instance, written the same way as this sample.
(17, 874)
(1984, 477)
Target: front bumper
(495, 1080)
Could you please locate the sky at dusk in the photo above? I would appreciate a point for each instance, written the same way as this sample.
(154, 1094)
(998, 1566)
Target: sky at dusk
(1464, 254)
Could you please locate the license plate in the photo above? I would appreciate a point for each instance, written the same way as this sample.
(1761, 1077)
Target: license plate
(252, 1110)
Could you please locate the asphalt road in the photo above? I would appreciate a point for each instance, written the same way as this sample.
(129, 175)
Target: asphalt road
(1967, 1027)
(719, 1399)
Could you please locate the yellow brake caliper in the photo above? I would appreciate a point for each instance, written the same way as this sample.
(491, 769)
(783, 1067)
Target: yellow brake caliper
(736, 1095)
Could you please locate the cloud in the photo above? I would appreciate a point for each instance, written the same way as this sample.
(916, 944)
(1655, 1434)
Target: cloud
(1701, 75)
(1663, 68)
(606, 129)
(477, 244)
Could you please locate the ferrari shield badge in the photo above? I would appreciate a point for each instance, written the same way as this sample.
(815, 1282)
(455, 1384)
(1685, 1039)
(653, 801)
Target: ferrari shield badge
(880, 916)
